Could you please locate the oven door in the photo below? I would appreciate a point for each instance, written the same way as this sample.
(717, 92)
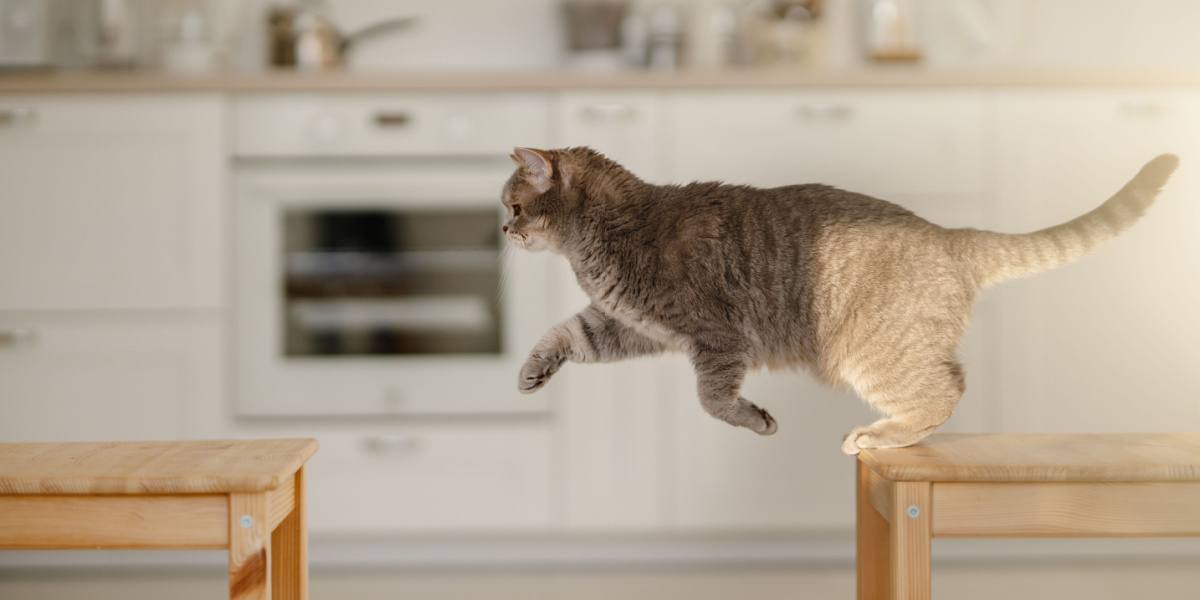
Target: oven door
(381, 289)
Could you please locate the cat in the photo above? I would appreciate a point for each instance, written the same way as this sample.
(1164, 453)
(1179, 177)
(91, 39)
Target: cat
(862, 292)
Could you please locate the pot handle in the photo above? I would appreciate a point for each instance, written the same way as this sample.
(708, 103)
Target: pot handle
(385, 26)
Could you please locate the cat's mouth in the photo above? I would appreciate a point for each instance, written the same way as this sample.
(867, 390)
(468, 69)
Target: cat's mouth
(520, 239)
(526, 242)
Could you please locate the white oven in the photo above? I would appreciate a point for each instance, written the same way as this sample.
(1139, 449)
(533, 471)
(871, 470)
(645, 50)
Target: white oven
(371, 274)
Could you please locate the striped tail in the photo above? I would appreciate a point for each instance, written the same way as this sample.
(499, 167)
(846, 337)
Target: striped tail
(995, 257)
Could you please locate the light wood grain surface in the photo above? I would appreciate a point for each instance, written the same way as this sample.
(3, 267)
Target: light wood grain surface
(195, 467)
(1048, 509)
(89, 522)
(1125, 457)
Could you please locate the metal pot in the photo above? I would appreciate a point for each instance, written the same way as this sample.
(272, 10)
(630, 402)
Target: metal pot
(304, 37)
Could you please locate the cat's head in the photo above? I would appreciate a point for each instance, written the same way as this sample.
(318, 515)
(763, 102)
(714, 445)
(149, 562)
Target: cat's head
(550, 191)
(533, 199)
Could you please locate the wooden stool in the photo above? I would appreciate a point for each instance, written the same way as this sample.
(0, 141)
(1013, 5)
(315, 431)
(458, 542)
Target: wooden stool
(247, 496)
(1016, 485)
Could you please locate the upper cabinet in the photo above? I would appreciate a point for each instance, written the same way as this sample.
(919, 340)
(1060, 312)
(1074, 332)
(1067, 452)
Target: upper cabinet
(876, 142)
(627, 127)
(111, 201)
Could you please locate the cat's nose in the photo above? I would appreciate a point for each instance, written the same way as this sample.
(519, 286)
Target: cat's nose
(504, 229)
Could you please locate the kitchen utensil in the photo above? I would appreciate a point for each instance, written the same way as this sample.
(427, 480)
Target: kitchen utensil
(890, 30)
(595, 32)
(305, 36)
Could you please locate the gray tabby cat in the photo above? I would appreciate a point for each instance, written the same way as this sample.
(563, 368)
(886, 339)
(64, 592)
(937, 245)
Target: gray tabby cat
(861, 291)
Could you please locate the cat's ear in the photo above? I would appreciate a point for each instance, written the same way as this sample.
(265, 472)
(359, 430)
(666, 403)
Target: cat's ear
(537, 165)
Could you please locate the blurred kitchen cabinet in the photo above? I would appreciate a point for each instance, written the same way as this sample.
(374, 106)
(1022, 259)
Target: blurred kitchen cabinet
(76, 377)
(610, 432)
(923, 150)
(611, 413)
(461, 478)
(879, 142)
(1108, 343)
(626, 127)
(111, 201)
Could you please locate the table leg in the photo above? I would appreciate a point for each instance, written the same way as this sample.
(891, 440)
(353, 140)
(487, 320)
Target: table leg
(872, 544)
(249, 550)
(289, 550)
(910, 540)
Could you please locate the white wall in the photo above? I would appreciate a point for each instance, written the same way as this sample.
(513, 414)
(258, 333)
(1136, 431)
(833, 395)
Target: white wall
(525, 33)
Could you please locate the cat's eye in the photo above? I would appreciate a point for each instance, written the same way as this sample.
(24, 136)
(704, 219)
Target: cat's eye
(516, 210)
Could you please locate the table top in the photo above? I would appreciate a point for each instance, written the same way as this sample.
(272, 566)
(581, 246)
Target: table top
(191, 467)
(1009, 457)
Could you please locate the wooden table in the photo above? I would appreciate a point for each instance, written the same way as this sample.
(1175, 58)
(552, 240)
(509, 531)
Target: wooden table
(247, 496)
(1016, 485)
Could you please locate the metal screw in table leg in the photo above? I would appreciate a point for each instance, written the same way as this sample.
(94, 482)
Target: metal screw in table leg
(913, 511)
(246, 521)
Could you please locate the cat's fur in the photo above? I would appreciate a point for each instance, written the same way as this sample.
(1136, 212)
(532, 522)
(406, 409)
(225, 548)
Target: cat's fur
(861, 291)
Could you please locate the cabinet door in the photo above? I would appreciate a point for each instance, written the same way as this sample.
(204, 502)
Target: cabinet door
(876, 142)
(445, 479)
(1108, 343)
(611, 413)
(626, 127)
(78, 377)
(923, 150)
(110, 202)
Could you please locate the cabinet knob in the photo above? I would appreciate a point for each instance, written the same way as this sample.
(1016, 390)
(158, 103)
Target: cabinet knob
(613, 111)
(12, 117)
(1142, 109)
(829, 111)
(390, 445)
(15, 338)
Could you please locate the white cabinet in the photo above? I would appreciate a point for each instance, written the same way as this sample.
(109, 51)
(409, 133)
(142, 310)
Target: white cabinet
(111, 201)
(73, 377)
(613, 415)
(875, 142)
(1108, 343)
(627, 127)
(426, 125)
(924, 150)
(448, 479)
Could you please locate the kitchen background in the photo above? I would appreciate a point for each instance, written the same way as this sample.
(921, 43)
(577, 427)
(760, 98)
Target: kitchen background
(214, 224)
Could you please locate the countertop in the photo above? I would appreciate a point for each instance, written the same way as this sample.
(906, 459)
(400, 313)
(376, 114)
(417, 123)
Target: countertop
(899, 76)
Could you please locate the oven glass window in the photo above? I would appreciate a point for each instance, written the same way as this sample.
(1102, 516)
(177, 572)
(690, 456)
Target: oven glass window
(369, 282)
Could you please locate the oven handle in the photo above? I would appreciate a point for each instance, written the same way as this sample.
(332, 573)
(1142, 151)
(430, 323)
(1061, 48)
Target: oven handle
(388, 119)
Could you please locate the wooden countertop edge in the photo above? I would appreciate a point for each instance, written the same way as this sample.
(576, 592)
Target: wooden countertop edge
(1141, 474)
(117, 486)
(557, 80)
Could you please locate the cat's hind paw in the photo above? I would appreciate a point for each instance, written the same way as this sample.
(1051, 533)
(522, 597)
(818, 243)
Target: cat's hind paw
(536, 371)
(768, 426)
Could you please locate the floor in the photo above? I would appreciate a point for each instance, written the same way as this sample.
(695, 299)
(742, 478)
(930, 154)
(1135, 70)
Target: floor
(1103, 580)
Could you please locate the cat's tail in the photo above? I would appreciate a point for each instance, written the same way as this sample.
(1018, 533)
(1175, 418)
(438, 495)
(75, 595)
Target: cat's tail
(994, 257)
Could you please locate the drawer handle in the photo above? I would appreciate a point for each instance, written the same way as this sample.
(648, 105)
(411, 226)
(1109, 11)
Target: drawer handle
(608, 112)
(1142, 109)
(14, 338)
(390, 445)
(392, 119)
(830, 111)
(10, 117)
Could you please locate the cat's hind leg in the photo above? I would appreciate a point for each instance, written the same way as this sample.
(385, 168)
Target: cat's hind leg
(916, 403)
(719, 376)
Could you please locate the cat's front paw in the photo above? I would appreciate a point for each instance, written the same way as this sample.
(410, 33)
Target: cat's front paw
(536, 371)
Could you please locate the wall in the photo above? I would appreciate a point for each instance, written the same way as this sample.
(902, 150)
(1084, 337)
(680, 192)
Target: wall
(524, 33)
